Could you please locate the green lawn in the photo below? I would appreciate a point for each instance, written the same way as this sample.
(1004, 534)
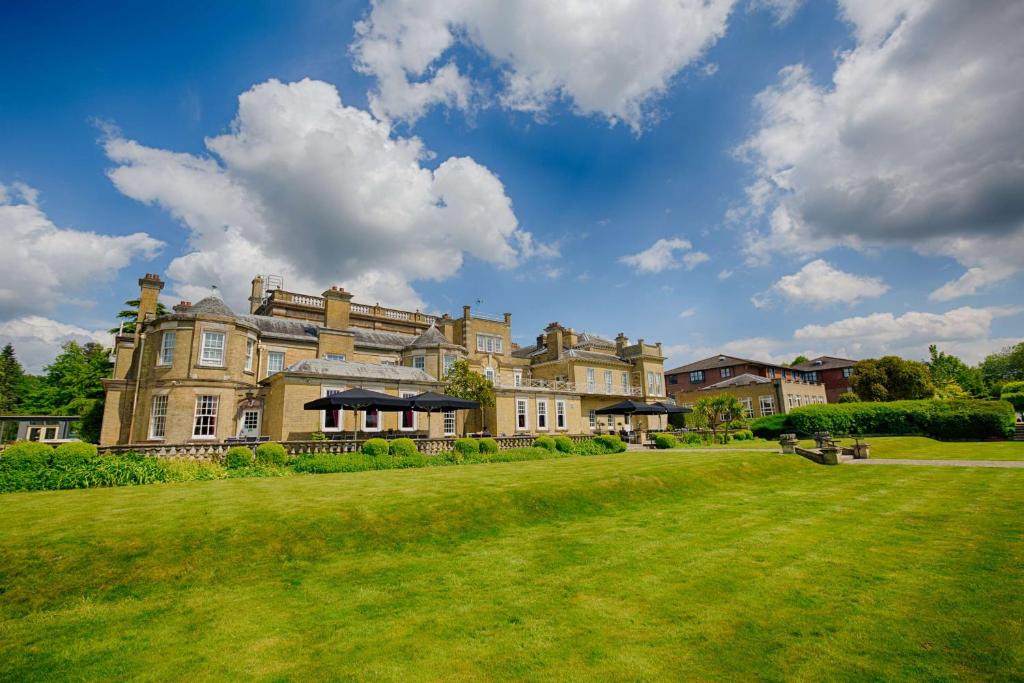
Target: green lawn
(638, 566)
(923, 448)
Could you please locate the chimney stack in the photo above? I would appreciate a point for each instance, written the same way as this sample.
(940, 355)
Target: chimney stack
(337, 308)
(256, 294)
(149, 293)
(182, 306)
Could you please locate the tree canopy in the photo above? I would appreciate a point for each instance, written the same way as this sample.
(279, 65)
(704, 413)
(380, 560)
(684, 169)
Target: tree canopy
(952, 377)
(800, 359)
(130, 315)
(462, 382)
(891, 378)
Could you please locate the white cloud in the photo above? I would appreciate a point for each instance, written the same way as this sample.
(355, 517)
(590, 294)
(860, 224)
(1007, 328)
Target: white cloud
(322, 193)
(43, 264)
(819, 283)
(606, 58)
(38, 340)
(661, 256)
(782, 9)
(725, 274)
(687, 313)
(915, 142)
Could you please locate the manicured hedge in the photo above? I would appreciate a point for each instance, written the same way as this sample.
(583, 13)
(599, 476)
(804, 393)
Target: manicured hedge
(488, 445)
(271, 454)
(466, 446)
(771, 426)
(238, 457)
(403, 448)
(665, 441)
(612, 442)
(963, 419)
(544, 442)
(375, 447)
(563, 444)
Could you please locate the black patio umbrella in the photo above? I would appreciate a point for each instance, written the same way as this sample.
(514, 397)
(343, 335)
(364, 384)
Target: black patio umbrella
(429, 402)
(632, 408)
(359, 399)
(674, 409)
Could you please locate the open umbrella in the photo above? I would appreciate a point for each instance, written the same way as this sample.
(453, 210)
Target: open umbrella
(632, 408)
(359, 399)
(675, 409)
(429, 402)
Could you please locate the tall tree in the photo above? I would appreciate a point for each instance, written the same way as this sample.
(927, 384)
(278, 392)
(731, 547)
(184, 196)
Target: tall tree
(131, 314)
(72, 385)
(717, 411)
(891, 378)
(1004, 366)
(800, 359)
(947, 370)
(12, 379)
(462, 382)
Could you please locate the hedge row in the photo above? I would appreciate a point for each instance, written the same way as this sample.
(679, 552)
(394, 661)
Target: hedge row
(963, 419)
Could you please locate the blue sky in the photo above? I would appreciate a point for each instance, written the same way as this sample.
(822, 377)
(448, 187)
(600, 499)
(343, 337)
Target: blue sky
(760, 178)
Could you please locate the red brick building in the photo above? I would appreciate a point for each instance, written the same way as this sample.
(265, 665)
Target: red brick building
(833, 372)
(712, 370)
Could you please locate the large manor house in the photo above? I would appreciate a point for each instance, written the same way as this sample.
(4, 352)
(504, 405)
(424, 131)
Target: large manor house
(204, 372)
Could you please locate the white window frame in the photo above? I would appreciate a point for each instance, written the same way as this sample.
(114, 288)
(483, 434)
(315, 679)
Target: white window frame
(259, 420)
(330, 391)
(542, 415)
(250, 352)
(366, 424)
(167, 349)
(517, 378)
(274, 354)
(847, 372)
(748, 407)
(419, 362)
(697, 377)
(158, 417)
(401, 415)
(334, 356)
(212, 360)
(489, 343)
(489, 374)
(206, 409)
(726, 373)
(627, 422)
(609, 381)
(522, 415)
(591, 380)
(560, 418)
(625, 382)
(769, 402)
(592, 418)
(449, 417)
(447, 362)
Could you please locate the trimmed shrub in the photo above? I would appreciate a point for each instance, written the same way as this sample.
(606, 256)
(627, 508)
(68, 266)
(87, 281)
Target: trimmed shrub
(563, 444)
(488, 445)
(849, 397)
(1013, 393)
(743, 435)
(959, 419)
(611, 441)
(375, 447)
(692, 439)
(271, 454)
(466, 446)
(544, 442)
(403, 448)
(771, 426)
(74, 454)
(238, 456)
(24, 466)
(663, 441)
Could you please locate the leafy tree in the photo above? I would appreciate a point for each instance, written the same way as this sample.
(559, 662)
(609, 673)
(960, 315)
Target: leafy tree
(891, 378)
(12, 379)
(462, 382)
(849, 397)
(72, 385)
(800, 359)
(1004, 366)
(948, 370)
(715, 411)
(1013, 392)
(131, 314)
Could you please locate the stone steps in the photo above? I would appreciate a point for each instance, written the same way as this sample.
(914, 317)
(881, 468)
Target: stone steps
(1018, 433)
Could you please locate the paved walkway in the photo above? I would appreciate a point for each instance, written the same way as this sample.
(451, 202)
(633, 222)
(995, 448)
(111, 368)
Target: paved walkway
(940, 463)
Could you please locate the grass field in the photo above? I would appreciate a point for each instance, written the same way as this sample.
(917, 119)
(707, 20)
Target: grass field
(639, 566)
(923, 448)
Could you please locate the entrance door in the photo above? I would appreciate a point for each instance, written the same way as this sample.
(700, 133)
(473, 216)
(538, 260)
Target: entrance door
(250, 423)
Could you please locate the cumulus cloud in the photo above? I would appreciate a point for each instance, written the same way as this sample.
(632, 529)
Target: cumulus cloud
(38, 340)
(661, 256)
(609, 59)
(43, 264)
(819, 283)
(965, 332)
(916, 141)
(322, 193)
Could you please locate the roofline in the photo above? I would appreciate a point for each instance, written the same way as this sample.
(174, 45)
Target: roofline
(685, 368)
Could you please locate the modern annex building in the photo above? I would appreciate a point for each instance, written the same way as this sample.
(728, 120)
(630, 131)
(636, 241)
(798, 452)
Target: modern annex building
(204, 372)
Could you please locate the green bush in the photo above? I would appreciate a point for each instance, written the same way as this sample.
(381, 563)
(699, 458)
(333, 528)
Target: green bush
(466, 446)
(318, 436)
(271, 454)
(488, 445)
(24, 466)
(544, 442)
(74, 454)
(849, 397)
(663, 441)
(771, 426)
(403, 447)
(563, 444)
(959, 419)
(692, 439)
(743, 435)
(375, 447)
(612, 442)
(1013, 393)
(238, 456)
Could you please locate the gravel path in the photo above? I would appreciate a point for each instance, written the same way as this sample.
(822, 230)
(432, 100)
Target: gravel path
(940, 463)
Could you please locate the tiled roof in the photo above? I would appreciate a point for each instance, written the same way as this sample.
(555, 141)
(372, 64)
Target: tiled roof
(594, 356)
(391, 341)
(738, 381)
(588, 339)
(825, 363)
(720, 361)
(283, 328)
(341, 368)
(528, 351)
(432, 338)
(211, 305)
